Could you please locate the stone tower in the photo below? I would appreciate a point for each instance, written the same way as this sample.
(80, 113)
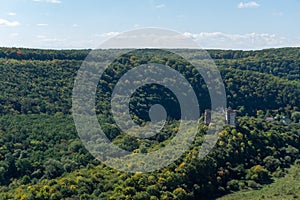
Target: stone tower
(207, 117)
(230, 117)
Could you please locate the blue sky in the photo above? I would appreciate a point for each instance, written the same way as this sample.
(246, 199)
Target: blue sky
(231, 24)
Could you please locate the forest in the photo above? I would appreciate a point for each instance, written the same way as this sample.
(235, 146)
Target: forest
(42, 156)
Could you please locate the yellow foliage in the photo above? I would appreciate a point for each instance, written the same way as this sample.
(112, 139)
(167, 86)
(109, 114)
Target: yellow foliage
(223, 133)
(51, 190)
(24, 197)
(72, 187)
(221, 143)
(45, 189)
(182, 165)
(151, 178)
(79, 179)
(161, 180)
(61, 181)
(136, 151)
(240, 135)
(257, 168)
(137, 175)
(179, 190)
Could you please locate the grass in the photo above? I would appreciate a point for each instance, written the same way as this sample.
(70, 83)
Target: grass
(284, 188)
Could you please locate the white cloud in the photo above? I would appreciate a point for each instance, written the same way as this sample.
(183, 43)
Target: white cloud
(251, 4)
(108, 34)
(4, 22)
(48, 1)
(160, 6)
(42, 24)
(219, 40)
(206, 40)
(12, 14)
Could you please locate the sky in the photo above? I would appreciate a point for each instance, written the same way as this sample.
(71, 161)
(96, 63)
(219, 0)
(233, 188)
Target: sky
(213, 24)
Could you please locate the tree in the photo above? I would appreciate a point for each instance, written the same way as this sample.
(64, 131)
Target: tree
(53, 168)
(296, 117)
(259, 174)
(24, 166)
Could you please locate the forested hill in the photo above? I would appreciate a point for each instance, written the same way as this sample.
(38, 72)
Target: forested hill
(42, 157)
(282, 62)
(41, 81)
(40, 54)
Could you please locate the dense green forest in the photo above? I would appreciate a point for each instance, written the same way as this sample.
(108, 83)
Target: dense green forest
(42, 157)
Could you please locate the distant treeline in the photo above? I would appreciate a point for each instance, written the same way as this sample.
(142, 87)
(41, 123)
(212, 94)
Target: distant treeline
(43, 82)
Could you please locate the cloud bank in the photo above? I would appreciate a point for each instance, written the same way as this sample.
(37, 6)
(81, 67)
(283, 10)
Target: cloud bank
(251, 4)
(160, 6)
(219, 40)
(48, 1)
(4, 22)
(205, 40)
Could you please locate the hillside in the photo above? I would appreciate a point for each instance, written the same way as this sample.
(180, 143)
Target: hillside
(283, 188)
(42, 157)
